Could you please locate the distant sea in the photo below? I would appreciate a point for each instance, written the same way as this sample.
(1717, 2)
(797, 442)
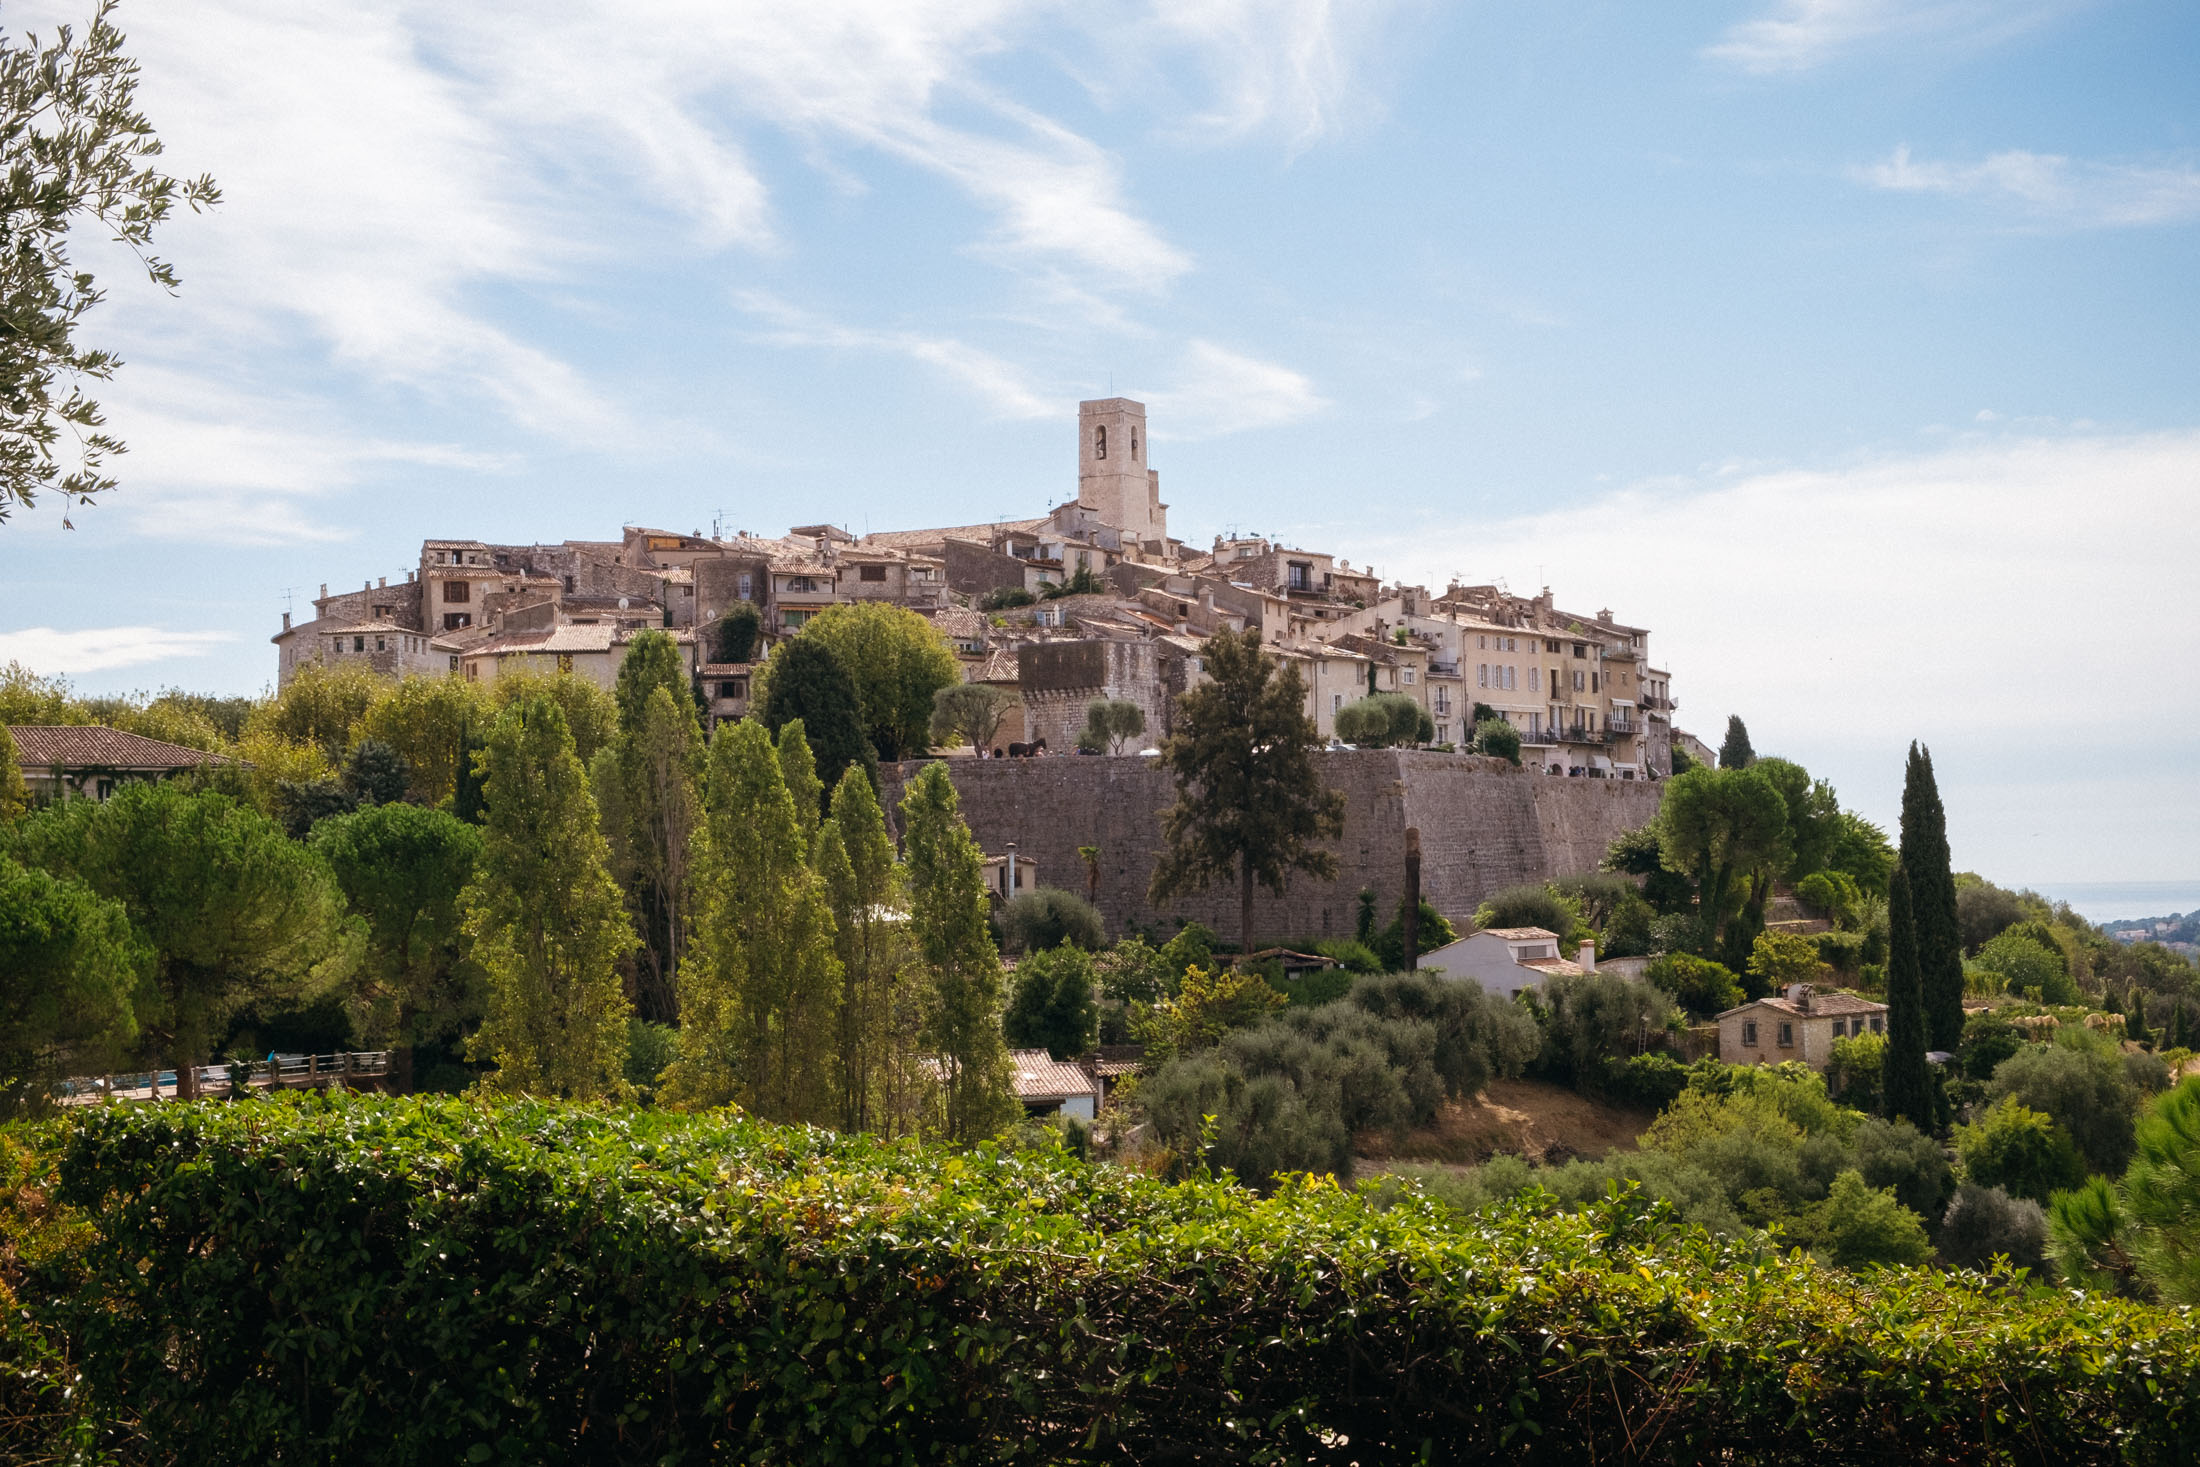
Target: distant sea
(2109, 901)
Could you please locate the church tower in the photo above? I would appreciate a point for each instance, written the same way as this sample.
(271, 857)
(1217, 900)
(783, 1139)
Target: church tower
(1112, 478)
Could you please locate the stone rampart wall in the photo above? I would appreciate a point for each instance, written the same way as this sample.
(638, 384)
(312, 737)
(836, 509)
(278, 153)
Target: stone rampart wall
(1484, 825)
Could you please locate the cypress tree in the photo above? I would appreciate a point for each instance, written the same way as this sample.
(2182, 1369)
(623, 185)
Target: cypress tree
(947, 909)
(2135, 1021)
(1905, 1079)
(2180, 1036)
(546, 918)
(1924, 859)
(1736, 753)
(760, 990)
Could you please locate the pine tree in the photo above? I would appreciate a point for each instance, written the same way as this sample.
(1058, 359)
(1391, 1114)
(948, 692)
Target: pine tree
(1736, 753)
(1250, 801)
(883, 1081)
(547, 923)
(760, 991)
(799, 768)
(1905, 1077)
(1924, 857)
(947, 906)
(648, 786)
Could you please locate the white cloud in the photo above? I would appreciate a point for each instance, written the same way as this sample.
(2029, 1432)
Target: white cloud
(1797, 35)
(1290, 66)
(52, 653)
(2053, 188)
(998, 382)
(1218, 391)
(2018, 601)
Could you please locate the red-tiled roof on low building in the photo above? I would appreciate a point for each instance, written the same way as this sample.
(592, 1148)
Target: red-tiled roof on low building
(1040, 1076)
(91, 746)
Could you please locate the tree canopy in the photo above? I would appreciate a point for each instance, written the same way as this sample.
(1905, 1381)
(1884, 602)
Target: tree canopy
(894, 659)
(809, 683)
(1250, 799)
(969, 713)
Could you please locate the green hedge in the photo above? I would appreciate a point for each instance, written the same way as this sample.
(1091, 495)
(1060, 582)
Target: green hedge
(432, 1281)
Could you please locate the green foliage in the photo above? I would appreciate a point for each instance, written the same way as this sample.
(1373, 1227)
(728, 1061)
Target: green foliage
(1589, 1018)
(1613, 908)
(1717, 826)
(883, 1082)
(1735, 752)
(1431, 931)
(1643, 1081)
(1110, 725)
(1813, 816)
(1002, 598)
(426, 721)
(1986, 1223)
(545, 917)
(1832, 895)
(969, 713)
(1351, 954)
(1777, 959)
(652, 661)
(648, 789)
(2091, 1238)
(1862, 1226)
(1384, 720)
(1532, 904)
(1053, 1008)
(70, 970)
(650, 1051)
(81, 161)
(1988, 1039)
(2019, 1150)
(947, 909)
(15, 795)
(798, 767)
(1641, 853)
(1862, 853)
(1498, 739)
(1905, 1082)
(1208, 1004)
(2029, 967)
(1008, 1306)
(2080, 1081)
(760, 990)
(591, 714)
(1704, 988)
(236, 913)
(1913, 1166)
(808, 683)
(894, 659)
(1250, 802)
(402, 869)
(1933, 902)
(1855, 1072)
(1984, 910)
(1048, 917)
(734, 636)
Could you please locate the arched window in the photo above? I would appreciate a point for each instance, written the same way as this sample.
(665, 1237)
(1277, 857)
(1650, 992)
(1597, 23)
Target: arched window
(1100, 441)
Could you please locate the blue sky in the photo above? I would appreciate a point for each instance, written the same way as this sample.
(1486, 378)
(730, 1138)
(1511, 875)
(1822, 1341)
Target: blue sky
(1850, 345)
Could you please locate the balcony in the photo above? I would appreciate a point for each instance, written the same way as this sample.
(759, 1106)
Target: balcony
(1615, 732)
(1537, 737)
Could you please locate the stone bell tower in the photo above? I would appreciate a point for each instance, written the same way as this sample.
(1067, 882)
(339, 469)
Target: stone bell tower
(1112, 478)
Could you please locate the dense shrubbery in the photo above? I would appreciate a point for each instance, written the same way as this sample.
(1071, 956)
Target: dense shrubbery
(269, 1280)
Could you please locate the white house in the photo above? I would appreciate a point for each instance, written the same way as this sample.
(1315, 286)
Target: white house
(1507, 960)
(1048, 1086)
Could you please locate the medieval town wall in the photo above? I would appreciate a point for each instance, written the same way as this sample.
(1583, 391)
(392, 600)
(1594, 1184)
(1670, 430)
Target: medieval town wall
(1484, 825)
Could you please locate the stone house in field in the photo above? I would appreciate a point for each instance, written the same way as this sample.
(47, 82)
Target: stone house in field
(1801, 1024)
(92, 762)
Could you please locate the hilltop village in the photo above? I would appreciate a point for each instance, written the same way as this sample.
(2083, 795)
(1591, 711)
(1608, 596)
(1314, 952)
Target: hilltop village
(1094, 600)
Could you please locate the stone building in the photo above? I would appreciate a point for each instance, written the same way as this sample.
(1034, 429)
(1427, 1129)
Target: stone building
(1801, 1024)
(1060, 680)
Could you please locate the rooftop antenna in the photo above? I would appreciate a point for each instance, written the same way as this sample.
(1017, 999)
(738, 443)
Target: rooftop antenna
(290, 598)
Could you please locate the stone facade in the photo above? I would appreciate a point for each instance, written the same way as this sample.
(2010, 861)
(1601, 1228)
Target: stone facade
(1060, 680)
(1484, 825)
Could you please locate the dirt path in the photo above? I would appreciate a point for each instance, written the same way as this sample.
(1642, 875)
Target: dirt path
(1544, 1123)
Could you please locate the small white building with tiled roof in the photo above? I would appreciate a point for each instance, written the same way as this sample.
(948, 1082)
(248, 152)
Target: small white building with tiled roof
(1801, 1024)
(88, 761)
(1048, 1086)
(1506, 961)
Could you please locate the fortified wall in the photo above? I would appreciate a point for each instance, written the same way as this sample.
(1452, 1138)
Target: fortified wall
(1484, 825)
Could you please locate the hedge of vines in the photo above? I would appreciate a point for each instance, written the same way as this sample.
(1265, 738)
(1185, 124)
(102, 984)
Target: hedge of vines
(435, 1281)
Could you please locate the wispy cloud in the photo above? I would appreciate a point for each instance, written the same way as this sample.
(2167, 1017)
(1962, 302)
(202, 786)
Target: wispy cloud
(52, 653)
(1217, 391)
(2051, 188)
(1798, 35)
(1291, 67)
(1000, 383)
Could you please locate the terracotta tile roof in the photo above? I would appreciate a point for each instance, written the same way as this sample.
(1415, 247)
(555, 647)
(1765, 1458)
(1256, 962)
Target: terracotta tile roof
(1111, 1060)
(1040, 1076)
(982, 534)
(1822, 1006)
(1551, 965)
(959, 621)
(91, 746)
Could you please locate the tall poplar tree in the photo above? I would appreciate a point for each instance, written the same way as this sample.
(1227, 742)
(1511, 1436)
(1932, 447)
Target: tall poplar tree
(798, 766)
(1905, 1077)
(15, 795)
(760, 991)
(545, 916)
(947, 908)
(883, 1082)
(1925, 861)
(648, 786)
(1250, 800)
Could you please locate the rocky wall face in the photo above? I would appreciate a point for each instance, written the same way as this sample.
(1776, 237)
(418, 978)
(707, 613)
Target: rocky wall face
(1484, 825)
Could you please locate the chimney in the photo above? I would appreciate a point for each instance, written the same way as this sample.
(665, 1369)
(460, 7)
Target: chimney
(1799, 995)
(381, 583)
(408, 578)
(324, 590)
(286, 621)
(1587, 957)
